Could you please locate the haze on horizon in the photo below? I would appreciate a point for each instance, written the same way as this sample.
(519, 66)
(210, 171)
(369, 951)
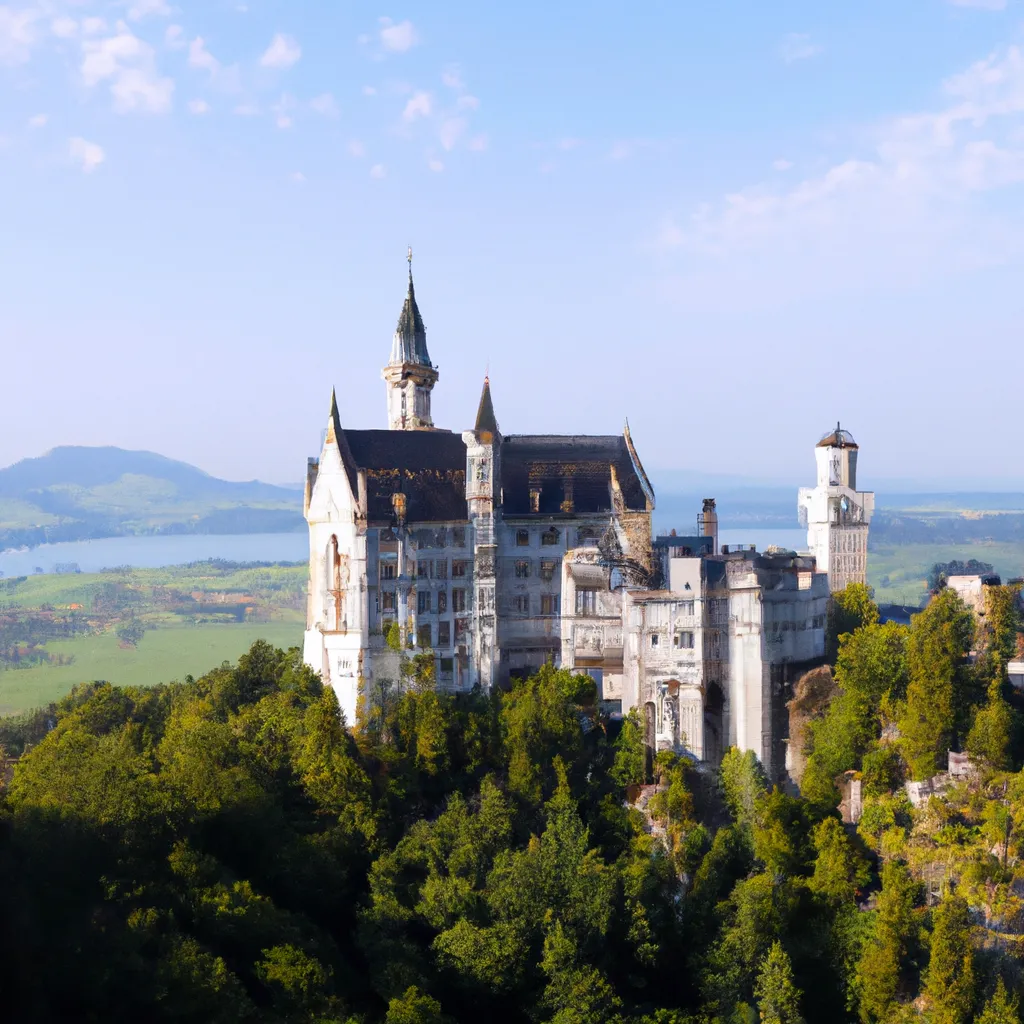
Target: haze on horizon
(733, 227)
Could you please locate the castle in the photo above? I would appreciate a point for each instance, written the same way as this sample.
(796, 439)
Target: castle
(498, 553)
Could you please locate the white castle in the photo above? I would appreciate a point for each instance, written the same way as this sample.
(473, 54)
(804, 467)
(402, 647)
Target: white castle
(497, 553)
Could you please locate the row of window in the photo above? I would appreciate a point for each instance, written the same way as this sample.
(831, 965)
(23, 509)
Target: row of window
(427, 601)
(682, 640)
(427, 632)
(440, 537)
(524, 568)
(548, 538)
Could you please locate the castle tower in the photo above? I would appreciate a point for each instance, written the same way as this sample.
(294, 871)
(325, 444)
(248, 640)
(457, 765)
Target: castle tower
(483, 491)
(410, 376)
(835, 513)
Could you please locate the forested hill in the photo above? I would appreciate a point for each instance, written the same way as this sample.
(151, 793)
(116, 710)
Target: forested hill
(72, 493)
(228, 849)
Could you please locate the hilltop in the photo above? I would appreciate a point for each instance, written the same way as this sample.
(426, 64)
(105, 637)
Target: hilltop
(74, 493)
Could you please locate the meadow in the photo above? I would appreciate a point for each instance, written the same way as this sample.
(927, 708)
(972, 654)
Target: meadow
(187, 617)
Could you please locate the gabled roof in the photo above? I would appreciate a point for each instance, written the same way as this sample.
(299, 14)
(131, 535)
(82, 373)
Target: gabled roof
(427, 466)
(547, 462)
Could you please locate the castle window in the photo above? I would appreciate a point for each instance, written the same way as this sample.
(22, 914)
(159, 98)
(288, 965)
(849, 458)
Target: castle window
(441, 569)
(423, 635)
(461, 630)
(423, 569)
(458, 600)
(458, 536)
(586, 602)
(423, 602)
(447, 667)
(387, 570)
(459, 569)
(444, 634)
(549, 537)
(587, 537)
(654, 639)
(549, 604)
(683, 640)
(685, 607)
(387, 600)
(523, 569)
(547, 568)
(442, 601)
(521, 604)
(522, 538)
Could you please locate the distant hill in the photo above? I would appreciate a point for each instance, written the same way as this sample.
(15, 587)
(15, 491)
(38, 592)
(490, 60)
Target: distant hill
(73, 493)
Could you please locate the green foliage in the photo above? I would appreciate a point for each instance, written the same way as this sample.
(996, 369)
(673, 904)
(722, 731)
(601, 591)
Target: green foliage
(991, 735)
(941, 690)
(777, 997)
(839, 868)
(414, 1008)
(630, 757)
(1002, 1008)
(743, 781)
(949, 980)
(849, 610)
(941, 571)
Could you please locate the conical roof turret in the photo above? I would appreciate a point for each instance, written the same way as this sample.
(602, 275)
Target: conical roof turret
(486, 422)
(410, 341)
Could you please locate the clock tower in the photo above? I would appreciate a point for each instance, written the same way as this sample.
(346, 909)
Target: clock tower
(835, 513)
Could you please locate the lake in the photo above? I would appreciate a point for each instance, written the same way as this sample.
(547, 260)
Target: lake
(156, 552)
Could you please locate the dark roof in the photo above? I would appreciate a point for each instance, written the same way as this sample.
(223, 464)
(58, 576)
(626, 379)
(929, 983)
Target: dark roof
(530, 461)
(837, 438)
(700, 543)
(410, 344)
(427, 466)
(486, 423)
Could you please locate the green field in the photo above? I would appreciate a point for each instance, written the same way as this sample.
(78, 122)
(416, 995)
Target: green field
(898, 572)
(162, 655)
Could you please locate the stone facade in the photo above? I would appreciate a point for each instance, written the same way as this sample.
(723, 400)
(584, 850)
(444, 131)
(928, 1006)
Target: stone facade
(458, 538)
(836, 514)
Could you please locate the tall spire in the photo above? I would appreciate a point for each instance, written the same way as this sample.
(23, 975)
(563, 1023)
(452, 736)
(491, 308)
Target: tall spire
(486, 422)
(410, 341)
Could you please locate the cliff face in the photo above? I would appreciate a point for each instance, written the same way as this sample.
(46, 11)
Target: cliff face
(811, 696)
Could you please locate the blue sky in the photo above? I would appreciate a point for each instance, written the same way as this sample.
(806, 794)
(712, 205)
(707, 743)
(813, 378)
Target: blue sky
(732, 223)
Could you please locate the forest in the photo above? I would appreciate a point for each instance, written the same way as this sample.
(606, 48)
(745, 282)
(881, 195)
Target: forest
(228, 848)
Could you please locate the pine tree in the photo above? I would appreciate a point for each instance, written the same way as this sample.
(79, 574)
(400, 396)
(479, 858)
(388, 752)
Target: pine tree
(881, 963)
(992, 731)
(949, 982)
(777, 996)
(1001, 1008)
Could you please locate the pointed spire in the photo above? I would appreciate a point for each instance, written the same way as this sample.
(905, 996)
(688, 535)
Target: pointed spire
(486, 422)
(410, 342)
(334, 420)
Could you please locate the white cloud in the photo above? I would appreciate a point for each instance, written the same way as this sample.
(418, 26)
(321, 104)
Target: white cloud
(64, 27)
(378, 171)
(298, 177)
(200, 57)
(453, 79)
(17, 35)
(282, 111)
(325, 105)
(369, 90)
(923, 198)
(38, 121)
(282, 53)
(356, 149)
(93, 26)
(198, 107)
(88, 155)
(478, 143)
(782, 165)
(128, 64)
(620, 151)
(451, 131)
(247, 110)
(174, 37)
(397, 38)
(798, 46)
(570, 143)
(467, 103)
(419, 105)
(435, 165)
(144, 8)
(982, 5)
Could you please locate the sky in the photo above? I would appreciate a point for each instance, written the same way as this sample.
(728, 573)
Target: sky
(733, 224)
